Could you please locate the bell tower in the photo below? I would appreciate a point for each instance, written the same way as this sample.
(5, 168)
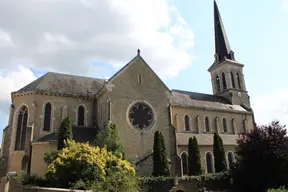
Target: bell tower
(226, 73)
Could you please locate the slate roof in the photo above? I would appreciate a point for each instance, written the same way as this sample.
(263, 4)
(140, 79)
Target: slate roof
(200, 100)
(80, 134)
(64, 84)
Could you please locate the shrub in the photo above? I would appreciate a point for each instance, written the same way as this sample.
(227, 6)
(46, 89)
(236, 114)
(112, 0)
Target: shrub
(160, 162)
(110, 139)
(157, 155)
(219, 154)
(81, 162)
(65, 132)
(165, 164)
(194, 163)
(262, 159)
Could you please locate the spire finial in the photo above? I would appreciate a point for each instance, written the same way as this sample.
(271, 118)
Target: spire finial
(138, 51)
(222, 47)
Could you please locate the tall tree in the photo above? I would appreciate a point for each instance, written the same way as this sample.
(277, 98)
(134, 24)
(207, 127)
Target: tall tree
(194, 163)
(262, 159)
(110, 139)
(65, 132)
(219, 154)
(157, 163)
(165, 164)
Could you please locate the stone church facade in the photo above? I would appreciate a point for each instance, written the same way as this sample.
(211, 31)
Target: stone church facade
(139, 103)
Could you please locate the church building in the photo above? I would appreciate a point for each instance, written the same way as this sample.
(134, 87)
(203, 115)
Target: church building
(139, 103)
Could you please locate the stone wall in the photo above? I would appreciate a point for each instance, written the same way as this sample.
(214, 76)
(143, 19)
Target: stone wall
(13, 185)
(41, 189)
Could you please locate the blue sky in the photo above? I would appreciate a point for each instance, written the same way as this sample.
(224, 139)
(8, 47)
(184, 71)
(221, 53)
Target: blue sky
(179, 45)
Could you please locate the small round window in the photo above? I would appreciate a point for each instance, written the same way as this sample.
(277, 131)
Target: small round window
(141, 116)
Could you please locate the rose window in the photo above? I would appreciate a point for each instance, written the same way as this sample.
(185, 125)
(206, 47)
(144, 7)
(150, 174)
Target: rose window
(140, 116)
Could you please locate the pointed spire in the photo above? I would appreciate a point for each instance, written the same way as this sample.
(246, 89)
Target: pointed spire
(222, 47)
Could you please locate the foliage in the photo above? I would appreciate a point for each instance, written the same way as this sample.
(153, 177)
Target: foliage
(31, 180)
(281, 189)
(79, 161)
(50, 156)
(157, 155)
(65, 132)
(160, 162)
(219, 154)
(213, 182)
(262, 159)
(194, 163)
(110, 139)
(165, 164)
(117, 182)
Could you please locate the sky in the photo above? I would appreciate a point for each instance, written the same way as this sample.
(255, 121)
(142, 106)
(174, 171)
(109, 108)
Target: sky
(176, 38)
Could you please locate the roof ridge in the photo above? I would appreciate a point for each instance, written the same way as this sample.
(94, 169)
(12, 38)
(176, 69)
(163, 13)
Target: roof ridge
(58, 73)
(178, 90)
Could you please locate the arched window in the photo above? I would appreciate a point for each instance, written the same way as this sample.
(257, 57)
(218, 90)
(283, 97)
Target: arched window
(244, 127)
(230, 159)
(233, 126)
(81, 115)
(232, 80)
(224, 122)
(109, 110)
(218, 83)
(184, 163)
(209, 163)
(207, 124)
(238, 80)
(224, 81)
(187, 127)
(21, 129)
(47, 117)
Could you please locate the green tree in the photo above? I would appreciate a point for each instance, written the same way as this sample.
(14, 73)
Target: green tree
(81, 166)
(110, 139)
(194, 163)
(262, 159)
(219, 154)
(165, 164)
(65, 132)
(157, 162)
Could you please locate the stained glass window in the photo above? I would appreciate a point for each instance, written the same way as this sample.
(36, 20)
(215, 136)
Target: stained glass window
(21, 129)
(47, 117)
(184, 164)
(209, 162)
(141, 116)
(81, 115)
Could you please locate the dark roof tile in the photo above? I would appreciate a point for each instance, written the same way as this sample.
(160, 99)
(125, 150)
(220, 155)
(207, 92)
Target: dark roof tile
(80, 134)
(200, 100)
(64, 84)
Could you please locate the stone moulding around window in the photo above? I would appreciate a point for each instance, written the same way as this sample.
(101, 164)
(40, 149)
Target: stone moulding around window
(153, 111)
(85, 114)
(52, 117)
(15, 123)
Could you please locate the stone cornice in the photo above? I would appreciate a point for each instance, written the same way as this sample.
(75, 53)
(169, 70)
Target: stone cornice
(101, 92)
(211, 109)
(15, 94)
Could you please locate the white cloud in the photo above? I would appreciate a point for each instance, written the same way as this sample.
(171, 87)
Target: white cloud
(5, 40)
(65, 35)
(12, 79)
(268, 107)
